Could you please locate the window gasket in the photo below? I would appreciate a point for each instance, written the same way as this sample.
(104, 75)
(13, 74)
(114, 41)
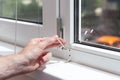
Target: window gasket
(22, 20)
(76, 21)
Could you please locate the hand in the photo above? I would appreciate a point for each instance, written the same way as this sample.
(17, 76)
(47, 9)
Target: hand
(35, 55)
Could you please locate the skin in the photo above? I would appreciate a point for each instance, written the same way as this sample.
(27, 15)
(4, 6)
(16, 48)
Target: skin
(32, 57)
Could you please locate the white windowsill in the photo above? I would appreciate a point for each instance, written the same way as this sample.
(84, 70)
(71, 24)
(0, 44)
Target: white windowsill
(58, 69)
(7, 49)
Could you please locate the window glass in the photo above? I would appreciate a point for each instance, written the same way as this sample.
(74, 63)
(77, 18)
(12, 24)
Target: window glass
(25, 10)
(100, 23)
(7, 8)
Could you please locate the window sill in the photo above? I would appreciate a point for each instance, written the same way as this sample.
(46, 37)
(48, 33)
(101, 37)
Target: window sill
(58, 69)
(7, 49)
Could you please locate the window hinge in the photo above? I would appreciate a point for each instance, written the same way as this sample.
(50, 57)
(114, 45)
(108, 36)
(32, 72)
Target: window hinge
(59, 27)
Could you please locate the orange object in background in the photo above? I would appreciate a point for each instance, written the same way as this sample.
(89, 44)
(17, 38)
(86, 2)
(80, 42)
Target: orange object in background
(109, 40)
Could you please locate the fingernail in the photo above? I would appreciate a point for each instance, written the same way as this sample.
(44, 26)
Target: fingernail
(56, 36)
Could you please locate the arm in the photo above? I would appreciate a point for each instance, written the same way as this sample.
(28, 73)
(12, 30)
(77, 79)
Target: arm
(10, 66)
(32, 57)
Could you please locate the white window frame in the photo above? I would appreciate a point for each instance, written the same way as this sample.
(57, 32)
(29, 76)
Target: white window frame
(19, 28)
(103, 59)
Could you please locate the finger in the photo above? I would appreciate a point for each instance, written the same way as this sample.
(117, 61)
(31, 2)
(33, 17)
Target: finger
(39, 39)
(57, 43)
(36, 66)
(48, 42)
(45, 57)
(42, 39)
(63, 41)
(53, 45)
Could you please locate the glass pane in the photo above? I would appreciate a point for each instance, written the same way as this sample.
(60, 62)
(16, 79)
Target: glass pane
(30, 10)
(7, 8)
(101, 22)
(27, 10)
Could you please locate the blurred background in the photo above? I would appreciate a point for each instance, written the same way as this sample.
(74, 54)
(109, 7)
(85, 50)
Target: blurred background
(101, 22)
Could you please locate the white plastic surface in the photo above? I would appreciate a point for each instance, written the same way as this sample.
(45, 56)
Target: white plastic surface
(60, 70)
(7, 49)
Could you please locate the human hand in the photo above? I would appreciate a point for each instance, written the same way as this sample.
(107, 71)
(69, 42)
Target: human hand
(34, 55)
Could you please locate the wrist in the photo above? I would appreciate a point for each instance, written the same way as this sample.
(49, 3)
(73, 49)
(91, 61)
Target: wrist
(20, 63)
(24, 63)
(11, 65)
(20, 59)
